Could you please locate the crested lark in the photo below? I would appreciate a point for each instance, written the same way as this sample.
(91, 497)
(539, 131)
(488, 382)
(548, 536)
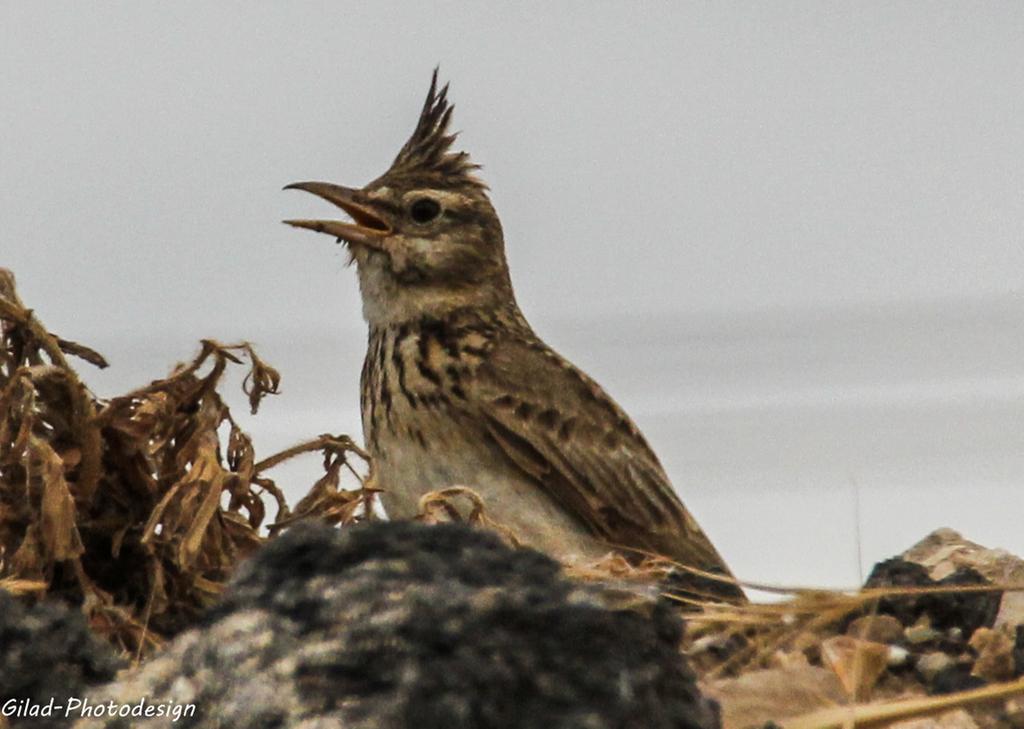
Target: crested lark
(458, 390)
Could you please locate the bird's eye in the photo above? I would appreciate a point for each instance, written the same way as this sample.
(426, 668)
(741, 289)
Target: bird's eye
(424, 210)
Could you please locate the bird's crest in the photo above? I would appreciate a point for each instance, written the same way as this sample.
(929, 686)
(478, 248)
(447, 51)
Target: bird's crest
(428, 151)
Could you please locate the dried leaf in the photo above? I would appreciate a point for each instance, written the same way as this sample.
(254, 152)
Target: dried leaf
(141, 479)
(82, 352)
(261, 380)
(59, 529)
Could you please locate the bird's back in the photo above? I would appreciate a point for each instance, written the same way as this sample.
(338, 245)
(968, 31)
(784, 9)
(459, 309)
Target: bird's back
(477, 399)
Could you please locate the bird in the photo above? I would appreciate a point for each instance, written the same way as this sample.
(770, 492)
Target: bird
(457, 388)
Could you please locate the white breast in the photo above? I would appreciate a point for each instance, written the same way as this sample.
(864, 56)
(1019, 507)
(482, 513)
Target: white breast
(407, 471)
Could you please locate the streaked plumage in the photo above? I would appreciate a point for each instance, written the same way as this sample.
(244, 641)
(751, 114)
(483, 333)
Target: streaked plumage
(457, 389)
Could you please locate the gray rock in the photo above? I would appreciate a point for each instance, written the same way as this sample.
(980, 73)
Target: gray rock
(403, 625)
(47, 652)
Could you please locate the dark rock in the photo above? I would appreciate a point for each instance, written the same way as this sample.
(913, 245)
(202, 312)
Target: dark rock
(392, 625)
(896, 572)
(1018, 651)
(47, 651)
(967, 611)
(953, 679)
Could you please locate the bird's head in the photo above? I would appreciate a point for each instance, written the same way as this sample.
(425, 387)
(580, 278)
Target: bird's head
(424, 235)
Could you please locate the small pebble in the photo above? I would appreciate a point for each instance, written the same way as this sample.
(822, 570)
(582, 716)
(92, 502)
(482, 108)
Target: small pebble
(898, 656)
(878, 628)
(920, 632)
(995, 660)
(932, 663)
(954, 679)
(858, 664)
(712, 642)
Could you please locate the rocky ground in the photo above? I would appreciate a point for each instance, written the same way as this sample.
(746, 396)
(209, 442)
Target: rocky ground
(399, 625)
(386, 625)
(935, 632)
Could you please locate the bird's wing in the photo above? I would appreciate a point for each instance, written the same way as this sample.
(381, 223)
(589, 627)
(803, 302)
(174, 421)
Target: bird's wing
(560, 427)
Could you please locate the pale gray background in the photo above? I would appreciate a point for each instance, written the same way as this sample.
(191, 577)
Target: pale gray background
(787, 237)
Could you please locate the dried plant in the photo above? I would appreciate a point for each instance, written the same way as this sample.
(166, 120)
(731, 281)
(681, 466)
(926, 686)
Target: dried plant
(137, 508)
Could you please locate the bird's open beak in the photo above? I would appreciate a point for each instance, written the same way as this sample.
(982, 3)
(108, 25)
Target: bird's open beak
(367, 228)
